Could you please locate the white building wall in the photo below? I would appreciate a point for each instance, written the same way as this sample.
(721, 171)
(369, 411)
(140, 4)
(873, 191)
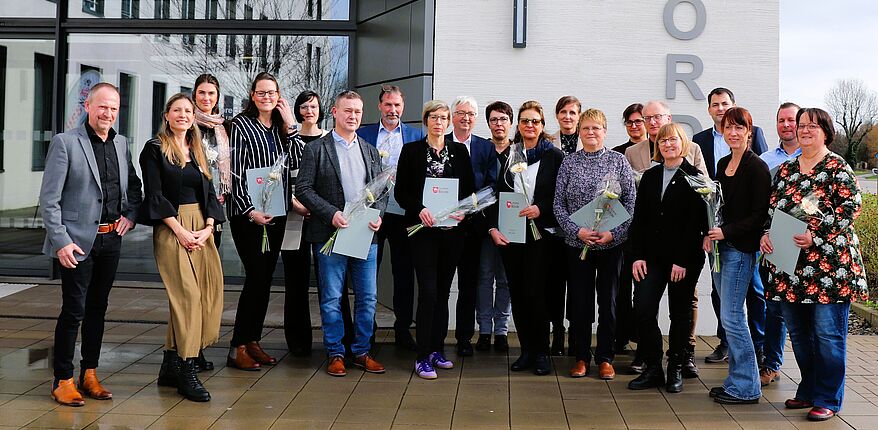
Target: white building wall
(608, 54)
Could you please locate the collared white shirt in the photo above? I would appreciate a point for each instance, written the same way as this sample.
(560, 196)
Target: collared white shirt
(465, 143)
(391, 142)
(720, 147)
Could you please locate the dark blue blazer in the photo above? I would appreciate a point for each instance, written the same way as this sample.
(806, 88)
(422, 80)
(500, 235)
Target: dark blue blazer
(704, 139)
(483, 158)
(369, 133)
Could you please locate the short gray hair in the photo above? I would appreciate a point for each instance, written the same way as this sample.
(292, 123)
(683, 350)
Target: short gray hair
(99, 86)
(658, 102)
(465, 100)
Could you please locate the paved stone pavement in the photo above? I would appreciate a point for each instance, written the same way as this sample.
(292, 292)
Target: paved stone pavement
(479, 393)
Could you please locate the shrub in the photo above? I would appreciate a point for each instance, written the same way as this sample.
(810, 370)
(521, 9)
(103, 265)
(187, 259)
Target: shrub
(867, 229)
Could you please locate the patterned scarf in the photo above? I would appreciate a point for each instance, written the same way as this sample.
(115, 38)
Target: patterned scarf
(218, 157)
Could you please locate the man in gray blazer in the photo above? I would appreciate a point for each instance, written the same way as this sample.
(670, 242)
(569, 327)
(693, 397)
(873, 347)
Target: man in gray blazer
(335, 169)
(89, 195)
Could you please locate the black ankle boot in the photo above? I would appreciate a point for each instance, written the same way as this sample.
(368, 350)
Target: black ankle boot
(674, 383)
(201, 363)
(690, 370)
(652, 377)
(558, 342)
(188, 384)
(168, 373)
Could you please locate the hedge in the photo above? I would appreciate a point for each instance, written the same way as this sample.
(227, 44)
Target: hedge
(866, 227)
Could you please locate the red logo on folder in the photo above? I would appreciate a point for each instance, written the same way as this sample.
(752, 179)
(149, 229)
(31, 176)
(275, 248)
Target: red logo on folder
(435, 190)
(508, 204)
(259, 180)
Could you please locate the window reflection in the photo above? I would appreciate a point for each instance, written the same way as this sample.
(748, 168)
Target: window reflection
(29, 8)
(205, 9)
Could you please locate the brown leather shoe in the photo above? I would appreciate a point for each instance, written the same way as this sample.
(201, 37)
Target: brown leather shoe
(606, 371)
(579, 369)
(797, 404)
(67, 394)
(89, 384)
(367, 363)
(767, 376)
(335, 367)
(242, 360)
(260, 355)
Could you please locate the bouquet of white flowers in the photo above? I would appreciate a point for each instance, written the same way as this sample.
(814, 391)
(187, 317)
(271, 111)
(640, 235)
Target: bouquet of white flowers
(375, 190)
(477, 202)
(711, 192)
(610, 192)
(275, 177)
(517, 165)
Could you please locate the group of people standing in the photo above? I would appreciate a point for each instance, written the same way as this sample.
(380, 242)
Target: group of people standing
(198, 163)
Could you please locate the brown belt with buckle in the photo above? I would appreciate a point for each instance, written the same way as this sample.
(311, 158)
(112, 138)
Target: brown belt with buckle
(106, 228)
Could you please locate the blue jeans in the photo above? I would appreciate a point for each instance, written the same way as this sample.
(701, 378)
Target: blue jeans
(775, 335)
(819, 333)
(733, 283)
(331, 270)
(755, 308)
(492, 306)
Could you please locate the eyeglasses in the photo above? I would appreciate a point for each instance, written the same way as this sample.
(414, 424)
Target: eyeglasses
(499, 120)
(261, 94)
(591, 129)
(673, 140)
(436, 118)
(810, 126)
(635, 123)
(656, 117)
(530, 121)
(465, 114)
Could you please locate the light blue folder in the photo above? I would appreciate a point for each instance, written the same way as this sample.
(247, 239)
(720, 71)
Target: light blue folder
(612, 217)
(512, 226)
(441, 194)
(786, 254)
(354, 241)
(256, 181)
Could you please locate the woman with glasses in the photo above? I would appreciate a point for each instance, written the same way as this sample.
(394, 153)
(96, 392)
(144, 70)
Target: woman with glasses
(435, 250)
(525, 264)
(582, 177)
(745, 184)
(665, 238)
(262, 133)
(816, 298)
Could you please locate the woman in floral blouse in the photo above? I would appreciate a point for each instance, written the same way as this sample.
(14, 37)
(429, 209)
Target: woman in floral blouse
(829, 274)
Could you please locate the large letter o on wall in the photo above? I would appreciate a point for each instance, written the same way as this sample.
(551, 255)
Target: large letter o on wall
(700, 19)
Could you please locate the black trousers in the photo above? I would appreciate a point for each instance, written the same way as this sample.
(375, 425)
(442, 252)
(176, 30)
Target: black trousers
(85, 291)
(648, 295)
(436, 253)
(468, 277)
(625, 318)
(393, 230)
(598, 274)
(297, 311)
(528, 280)
(258, 272)
(556, 282)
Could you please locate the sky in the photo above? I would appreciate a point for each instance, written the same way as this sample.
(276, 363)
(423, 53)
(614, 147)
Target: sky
(824, 41)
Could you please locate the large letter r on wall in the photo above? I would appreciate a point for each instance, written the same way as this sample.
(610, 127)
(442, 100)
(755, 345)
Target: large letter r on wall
(687, 78)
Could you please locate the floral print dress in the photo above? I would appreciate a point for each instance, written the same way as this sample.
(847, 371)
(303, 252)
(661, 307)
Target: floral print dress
(831, 270)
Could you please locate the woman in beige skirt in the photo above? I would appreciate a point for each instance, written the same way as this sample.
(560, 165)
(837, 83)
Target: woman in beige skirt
(182, 206)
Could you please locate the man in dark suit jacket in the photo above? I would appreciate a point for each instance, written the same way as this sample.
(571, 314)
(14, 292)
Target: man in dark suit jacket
(713, 147)
(334, 170)
(484, 162)
(90, 195)
(389, 135)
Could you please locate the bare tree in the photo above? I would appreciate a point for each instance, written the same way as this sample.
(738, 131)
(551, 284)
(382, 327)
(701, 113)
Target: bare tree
(855, 108)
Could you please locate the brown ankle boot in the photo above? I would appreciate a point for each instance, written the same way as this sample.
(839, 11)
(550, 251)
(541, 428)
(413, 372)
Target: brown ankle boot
(242, 360)
(66, 393)
(88, 383)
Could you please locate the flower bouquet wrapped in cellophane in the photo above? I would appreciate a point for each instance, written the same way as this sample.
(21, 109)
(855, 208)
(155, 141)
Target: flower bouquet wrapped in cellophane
(378, 188)
(476, 202)
(516, 164)
(711, 192)
(275, 177)
(610, 191)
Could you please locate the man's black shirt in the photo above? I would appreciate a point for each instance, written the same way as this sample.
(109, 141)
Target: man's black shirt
(108, 167)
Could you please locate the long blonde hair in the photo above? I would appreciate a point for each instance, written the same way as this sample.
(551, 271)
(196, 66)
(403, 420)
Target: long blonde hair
(171, 150)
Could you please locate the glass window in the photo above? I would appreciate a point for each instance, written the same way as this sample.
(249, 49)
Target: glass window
(197, 9)
(29, 9)
(148, 70)
(25, 92)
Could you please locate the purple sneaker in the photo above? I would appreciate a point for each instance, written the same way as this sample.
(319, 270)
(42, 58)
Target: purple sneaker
(425, 370)
(439, 360)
